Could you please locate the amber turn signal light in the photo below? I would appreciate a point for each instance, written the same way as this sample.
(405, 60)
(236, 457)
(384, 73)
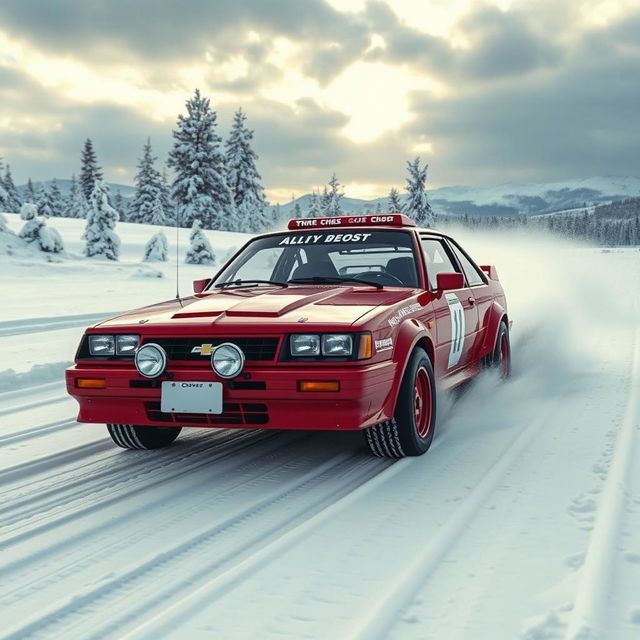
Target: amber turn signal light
(91, 383)
(318, 385)
(364, 347)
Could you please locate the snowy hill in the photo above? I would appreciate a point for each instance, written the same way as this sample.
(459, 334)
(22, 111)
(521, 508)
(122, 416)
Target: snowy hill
(511, 198)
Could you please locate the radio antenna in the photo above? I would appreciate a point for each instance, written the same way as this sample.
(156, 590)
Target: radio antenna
(178, 252)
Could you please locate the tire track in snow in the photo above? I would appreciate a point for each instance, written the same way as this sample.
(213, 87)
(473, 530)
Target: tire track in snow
(385, 610)
(34, 405)
(55, 510)
(589, 613)
(38, 325)
(37, 432)
(47, 463)
(191, 549)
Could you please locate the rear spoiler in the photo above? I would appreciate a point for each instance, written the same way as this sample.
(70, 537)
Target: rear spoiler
(490, 270)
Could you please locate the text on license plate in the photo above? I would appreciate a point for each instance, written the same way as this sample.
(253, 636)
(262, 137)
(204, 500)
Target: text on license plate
(191, 397)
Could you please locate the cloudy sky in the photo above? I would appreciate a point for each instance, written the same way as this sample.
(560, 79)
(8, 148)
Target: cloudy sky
(486, 92)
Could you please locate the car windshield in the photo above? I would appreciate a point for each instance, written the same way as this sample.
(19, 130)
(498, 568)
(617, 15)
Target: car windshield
(384, 258)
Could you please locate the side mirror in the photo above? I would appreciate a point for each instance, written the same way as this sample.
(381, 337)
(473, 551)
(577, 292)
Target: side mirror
(200, 285)
(449, 281)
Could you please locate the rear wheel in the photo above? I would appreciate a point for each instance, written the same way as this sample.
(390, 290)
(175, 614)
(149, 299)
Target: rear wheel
(500, 358)
(410, 431)
(131, 436)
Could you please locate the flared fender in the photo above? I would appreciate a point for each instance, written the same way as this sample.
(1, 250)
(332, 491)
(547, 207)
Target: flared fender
(492, 321)
(411, 333)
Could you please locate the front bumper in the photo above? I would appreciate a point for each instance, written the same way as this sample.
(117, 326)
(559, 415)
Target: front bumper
(364, 393)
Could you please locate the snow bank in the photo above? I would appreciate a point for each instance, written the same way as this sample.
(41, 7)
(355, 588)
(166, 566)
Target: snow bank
(10, 379)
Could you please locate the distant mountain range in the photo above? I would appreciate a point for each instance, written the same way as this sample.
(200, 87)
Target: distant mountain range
(511, 198)
(64, 186)
(507, 199)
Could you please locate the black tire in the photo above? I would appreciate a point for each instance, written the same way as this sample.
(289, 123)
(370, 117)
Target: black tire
(500, 358)
(410, 431)
(131, 436)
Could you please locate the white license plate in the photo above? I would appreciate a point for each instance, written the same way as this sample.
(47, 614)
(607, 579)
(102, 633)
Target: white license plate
(191, 397)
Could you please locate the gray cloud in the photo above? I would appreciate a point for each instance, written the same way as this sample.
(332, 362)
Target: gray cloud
(579, 121)
(523, 102)
(156, 31)
(503, 44)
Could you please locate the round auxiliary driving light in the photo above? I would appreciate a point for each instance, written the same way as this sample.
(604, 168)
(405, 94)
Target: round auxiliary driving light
(227, 360)
(151, 360)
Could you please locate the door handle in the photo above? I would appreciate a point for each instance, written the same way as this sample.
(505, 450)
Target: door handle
(471, 300)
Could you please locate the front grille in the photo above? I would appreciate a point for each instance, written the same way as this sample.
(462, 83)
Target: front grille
(233, 413)
(254, 349)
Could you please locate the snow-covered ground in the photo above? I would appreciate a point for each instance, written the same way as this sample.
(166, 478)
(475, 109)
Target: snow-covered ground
(520, 522)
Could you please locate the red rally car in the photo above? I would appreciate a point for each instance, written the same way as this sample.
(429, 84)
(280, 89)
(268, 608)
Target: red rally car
(348, 323)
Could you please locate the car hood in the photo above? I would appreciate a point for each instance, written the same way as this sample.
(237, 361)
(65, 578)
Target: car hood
(327, 305)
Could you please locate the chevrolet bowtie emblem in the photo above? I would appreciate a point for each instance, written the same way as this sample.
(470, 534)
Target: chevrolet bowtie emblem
(203, 349)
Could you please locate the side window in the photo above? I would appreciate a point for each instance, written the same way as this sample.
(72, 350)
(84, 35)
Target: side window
(473, 277)
(436, 258)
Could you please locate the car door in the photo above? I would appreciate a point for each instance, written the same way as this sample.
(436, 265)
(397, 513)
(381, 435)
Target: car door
(480, 291)
(456, 314)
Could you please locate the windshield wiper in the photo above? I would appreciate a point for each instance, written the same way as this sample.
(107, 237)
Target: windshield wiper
(246, 283)
(333, 280)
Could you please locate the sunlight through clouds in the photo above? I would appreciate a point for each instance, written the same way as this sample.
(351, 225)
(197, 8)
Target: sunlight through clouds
(375, 97)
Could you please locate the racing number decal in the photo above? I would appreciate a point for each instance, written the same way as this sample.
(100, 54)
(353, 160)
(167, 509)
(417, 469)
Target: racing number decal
(457, 328)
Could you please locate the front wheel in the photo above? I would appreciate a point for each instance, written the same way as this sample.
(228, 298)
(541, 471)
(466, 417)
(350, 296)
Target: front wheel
(131, 436)
(410, 431)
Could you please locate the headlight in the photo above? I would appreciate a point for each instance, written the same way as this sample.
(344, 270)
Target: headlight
(305, 345)
(339, 344)
(151, 360)
(102, 345)
(126, 345)
(227, 360)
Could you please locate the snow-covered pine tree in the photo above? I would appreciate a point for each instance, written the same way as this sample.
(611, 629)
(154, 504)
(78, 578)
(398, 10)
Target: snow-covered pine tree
(4, 196)
(14, 202)
(56, 200)
(244, 180)
(100, 237)
(76, 205)
(148, 188)
(157, 249)
(418, 206)
(90, 171)
(31, 229)
(30, 193)
(378, 207)
(36, 231)
(276, 216)
(167, 202)
(314, 206)
(395, 206)
(49, 240)
(200, 251)
(297, 211)
(44, 201)
(157, 214)
(28, 211)
(331, 197)
(199, 189)
(3, 224)
(120, 205)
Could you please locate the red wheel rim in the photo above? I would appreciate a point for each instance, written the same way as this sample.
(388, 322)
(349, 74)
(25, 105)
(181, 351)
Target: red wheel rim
(504, 356)
(422, 402)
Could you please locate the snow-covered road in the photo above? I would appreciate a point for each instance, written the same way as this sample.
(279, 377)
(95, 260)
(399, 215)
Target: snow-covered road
(520, 522)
